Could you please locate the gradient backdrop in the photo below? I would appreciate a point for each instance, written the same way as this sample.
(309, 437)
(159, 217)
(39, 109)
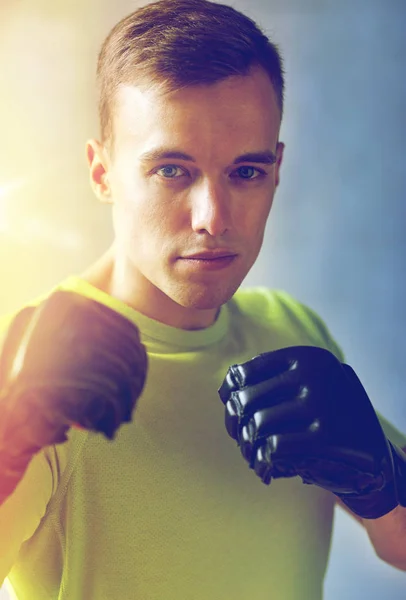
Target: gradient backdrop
(336, 237)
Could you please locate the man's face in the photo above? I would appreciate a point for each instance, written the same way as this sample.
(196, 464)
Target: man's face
(169, 210)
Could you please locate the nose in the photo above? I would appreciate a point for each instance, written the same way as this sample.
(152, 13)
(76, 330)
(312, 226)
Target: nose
(211, 210)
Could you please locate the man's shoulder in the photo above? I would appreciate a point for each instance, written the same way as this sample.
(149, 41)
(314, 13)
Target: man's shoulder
(267, 305)
(278, 311)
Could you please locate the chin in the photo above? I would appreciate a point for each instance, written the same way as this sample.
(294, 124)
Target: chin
(204, 298)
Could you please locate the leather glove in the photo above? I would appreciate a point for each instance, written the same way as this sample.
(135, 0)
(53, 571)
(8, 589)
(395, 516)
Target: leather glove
(71, 361)
(299, 411)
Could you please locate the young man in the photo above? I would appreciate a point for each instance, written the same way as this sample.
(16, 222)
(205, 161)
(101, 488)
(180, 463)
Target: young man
(189, 157)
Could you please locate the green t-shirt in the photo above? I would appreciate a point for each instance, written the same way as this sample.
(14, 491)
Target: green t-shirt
(170, 510)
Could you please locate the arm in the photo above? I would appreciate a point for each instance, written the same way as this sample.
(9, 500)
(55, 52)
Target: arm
(299, 411)
(69, 362)
(23, 510)
(387, 534)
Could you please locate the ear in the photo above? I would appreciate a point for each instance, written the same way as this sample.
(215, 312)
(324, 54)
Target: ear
(280, 147)
(98, 171)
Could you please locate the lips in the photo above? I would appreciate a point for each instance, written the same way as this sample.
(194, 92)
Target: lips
(210, 255)
(208, 261)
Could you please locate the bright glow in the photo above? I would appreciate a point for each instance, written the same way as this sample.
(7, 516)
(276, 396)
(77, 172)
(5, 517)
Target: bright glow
(33, 229)
(5, 193)
(36, 229)
(6, 188)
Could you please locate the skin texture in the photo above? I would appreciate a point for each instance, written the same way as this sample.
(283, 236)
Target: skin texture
(165, 210)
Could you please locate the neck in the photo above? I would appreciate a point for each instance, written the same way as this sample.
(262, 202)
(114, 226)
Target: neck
(115, 277)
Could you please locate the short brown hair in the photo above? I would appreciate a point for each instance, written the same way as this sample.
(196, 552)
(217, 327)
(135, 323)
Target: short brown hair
(181, 43)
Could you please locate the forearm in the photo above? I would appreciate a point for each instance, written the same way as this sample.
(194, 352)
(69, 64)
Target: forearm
(12, 470)
(388, 536)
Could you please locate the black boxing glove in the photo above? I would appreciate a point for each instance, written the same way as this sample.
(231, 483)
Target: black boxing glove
(71, 361)
(299, 411)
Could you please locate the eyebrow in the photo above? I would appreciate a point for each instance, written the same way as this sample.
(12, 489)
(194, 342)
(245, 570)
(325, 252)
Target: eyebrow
(265, 157)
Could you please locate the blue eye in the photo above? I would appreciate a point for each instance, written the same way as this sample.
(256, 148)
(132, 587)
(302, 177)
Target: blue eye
(166, 170)
(247, 172)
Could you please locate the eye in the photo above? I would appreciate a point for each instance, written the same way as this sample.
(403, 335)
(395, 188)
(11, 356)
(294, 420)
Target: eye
(246, 173)
(167, 171)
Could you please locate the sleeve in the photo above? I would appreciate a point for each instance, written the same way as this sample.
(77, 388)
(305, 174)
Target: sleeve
(22, 512)
(314, 326)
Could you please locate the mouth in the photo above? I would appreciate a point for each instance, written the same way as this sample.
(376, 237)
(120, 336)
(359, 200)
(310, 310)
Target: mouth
(210, 255)
(208, 261)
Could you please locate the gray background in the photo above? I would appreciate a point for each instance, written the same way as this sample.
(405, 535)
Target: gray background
(336, 236)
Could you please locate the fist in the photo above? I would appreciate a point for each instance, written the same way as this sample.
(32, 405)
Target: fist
(69, 361)
(299, 411)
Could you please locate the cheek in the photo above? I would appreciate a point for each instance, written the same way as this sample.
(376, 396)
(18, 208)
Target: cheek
(252, 216)
(132, 205)
(147, 227)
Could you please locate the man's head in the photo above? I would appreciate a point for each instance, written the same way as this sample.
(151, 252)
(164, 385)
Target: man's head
(174, 44)
(199, 79)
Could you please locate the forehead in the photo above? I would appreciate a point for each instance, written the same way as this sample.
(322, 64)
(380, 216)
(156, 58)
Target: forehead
(231, 111)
